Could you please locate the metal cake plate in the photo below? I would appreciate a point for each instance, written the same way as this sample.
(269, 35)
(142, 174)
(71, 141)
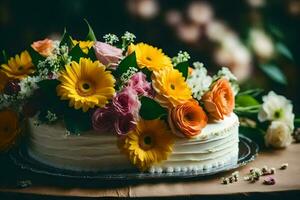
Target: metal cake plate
(248, 150)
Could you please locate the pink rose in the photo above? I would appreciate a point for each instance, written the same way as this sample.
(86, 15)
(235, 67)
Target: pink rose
(103, 119)
(107, 54)
(139, 83)
(127, 102)
(124, 124)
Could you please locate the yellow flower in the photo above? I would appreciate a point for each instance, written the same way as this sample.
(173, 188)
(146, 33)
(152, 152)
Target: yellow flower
(150, 57)
(86, 84)
(18, 67)
(84, 45)
(151, 142)
(3, 81)
(170, 87)
(9, 129)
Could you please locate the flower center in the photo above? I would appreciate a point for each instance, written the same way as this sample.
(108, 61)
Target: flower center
(172, 86)
(5, 129)
(189, 116)
(20, 68)
(85, 88)
(278, 114)
(146, 142)
(148, 58)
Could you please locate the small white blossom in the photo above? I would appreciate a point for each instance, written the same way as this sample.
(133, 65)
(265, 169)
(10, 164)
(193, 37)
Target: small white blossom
(278, 135)
(276, 108)
(182, 56)
(128, 74)
(128, 37)
(110, 38)
(224, 72)
(51, 117)
(28, 86)
(199, 81)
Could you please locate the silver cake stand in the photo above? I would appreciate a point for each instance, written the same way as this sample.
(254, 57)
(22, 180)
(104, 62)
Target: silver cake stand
(248, 150)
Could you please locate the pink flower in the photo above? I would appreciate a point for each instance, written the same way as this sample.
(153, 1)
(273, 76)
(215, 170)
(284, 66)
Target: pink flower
(127, 102)
(124, 124)
(107, 54)
(103, 119)
(139, 83)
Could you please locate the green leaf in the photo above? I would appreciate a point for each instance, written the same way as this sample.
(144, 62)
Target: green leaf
(276, 32)
(4, 57)
(92, 54)
(148, 73)
(252, 92)
(150, 109)
(245, 101)
(254, 134)
(284, 51)
(35, 56)
(183, 67)
(274, 73)
(77, 53)
(66, 40)
(91, 35)
(77, 121)
(129, 61)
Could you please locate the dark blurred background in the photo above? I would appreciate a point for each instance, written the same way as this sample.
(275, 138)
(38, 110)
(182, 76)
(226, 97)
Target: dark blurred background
(258, 40)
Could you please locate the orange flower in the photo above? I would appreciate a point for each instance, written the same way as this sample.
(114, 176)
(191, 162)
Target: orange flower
(3, 81)
(44, 47)
(187, 119)
(219, 101)
(9, 129)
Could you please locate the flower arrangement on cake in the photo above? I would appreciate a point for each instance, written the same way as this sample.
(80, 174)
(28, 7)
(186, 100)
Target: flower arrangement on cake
(132, 91)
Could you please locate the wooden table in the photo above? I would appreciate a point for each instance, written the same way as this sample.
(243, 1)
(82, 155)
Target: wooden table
(287, 183)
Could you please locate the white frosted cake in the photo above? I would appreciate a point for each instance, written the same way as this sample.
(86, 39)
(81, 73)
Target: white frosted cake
(216, 146)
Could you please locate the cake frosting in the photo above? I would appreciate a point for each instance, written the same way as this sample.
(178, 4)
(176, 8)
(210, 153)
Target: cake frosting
(216, 145)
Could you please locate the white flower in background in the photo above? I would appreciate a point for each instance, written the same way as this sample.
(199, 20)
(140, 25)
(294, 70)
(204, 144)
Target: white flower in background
(28, 86)
(261, 44)
(279, 135)
(234, 54)
(199, 81)
(200, 12)
(227, 74)
(277, 108)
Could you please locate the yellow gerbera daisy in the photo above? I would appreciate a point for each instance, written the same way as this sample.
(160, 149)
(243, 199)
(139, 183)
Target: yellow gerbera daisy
(150, 57)
(3, 81)
(84, 45)
(86, 84)
(18, 67)
(9, 129)
(170, 87)
(151, 142)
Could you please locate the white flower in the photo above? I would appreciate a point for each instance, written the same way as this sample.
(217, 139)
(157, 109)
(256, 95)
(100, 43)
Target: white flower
(199, 81)
(276, 108)
(227, 74)
(28, 86)
(278, 135)
(261, 43)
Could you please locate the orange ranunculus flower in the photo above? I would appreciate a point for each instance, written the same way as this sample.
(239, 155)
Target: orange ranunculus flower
(188, 119)
(43, 47)
(219, 101)
(9, 129)
(3, 81)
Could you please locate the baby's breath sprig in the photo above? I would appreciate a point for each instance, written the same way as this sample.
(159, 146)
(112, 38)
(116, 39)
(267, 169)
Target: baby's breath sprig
(51, 117)
(127, 38)
(127, 75)
(110, 38)
(182, 56)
